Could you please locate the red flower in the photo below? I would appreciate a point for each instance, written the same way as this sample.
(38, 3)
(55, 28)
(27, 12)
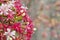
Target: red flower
(16, 26)
(5, 27)
(26, 18)
(1, 26)
(17, 6)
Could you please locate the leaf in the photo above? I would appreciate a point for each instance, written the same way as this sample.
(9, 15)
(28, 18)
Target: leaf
(13, 9)
(0, 3)
(18, 18)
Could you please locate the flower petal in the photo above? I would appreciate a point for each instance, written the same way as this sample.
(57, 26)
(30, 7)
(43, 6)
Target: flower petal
(8, 29)
(5, 33)
(13, 32)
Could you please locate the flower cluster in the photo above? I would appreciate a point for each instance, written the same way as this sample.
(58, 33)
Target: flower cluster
(15, 24)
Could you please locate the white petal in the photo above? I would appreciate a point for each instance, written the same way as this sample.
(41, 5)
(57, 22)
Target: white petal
(34, 29)
(5, 33)
(9, 38)
(23, 14)
(13, 37)
(24, 7)
(21, 11)
(1, 13)
(2, 4)
(8, 29)
(13, 32)
(5, 13)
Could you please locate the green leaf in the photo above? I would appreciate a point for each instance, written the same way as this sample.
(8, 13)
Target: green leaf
(0, 3)
(13, 9)
(18, 18)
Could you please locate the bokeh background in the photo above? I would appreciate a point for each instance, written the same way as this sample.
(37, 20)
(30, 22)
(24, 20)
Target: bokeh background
(45, 15)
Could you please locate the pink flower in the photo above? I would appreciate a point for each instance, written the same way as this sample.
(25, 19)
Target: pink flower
(1, 26)
(5, 27)
(10, 34)
(17, 6)
(16, 26)
(26, 18)
(10, 16)
(28, 36)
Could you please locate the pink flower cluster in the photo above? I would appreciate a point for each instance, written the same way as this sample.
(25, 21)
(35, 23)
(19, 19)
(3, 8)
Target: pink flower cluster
(14, 20)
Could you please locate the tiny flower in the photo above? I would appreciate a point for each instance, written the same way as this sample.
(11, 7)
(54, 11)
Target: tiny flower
(1, 25)
(23, 14)
(17, 26)
(24, 7)
(1, 13)
(4, 8)
(27, 22)
(34, 29)
(10, 34)
(21, 11)
(11, 3)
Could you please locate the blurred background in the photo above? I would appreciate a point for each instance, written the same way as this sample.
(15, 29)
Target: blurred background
(45, 15)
